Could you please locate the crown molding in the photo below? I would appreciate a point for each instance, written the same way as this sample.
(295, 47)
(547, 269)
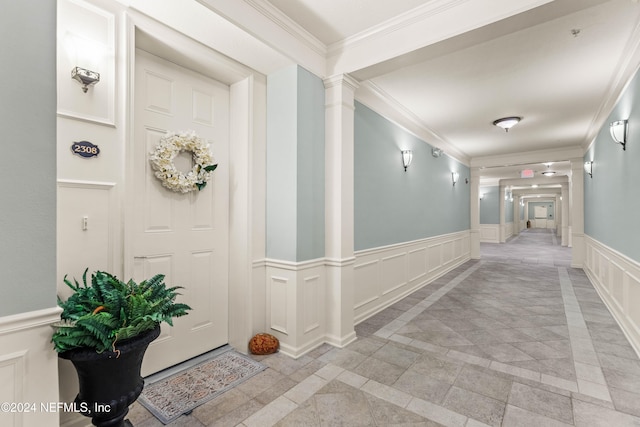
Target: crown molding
(396, 23)
(406, 33)
(374, 97)
(627, 67)
(276, 16)
(538, 156)
(265, 23)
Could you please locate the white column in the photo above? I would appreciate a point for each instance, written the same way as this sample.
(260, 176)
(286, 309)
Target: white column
(577, 212)
(475, 213)
(565, 214)
(558, 215)
(516, 215)
(502, 227)
(339, 205)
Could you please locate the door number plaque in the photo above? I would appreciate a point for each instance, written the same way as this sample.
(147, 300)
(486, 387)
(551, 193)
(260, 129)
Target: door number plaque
(85, 149)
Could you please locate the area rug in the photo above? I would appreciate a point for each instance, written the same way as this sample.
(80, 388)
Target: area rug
(169, 398)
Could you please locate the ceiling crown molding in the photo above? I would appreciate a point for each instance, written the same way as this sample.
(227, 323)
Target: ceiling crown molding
(372, 96)
(406, 33)
(265, 23)
(626, 68)
(274, 14)
(396, 23)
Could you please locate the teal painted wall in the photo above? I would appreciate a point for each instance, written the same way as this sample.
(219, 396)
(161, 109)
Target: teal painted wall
(394, 206)
(310, 242)
(490, 205)
(612, 196)
(28, 160)
(295, 165)
(282, 158)
(508, 210)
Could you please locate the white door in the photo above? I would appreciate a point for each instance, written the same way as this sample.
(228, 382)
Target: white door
(184, 236)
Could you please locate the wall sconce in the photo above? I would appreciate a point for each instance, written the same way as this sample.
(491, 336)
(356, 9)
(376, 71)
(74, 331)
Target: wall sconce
(454, 177)
(619, 131)
(481, 196)
(407, 156)
(588, 168)
(85, 77)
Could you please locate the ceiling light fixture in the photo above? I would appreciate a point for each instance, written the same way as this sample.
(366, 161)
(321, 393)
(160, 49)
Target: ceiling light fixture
(548, 172)
(507, 123)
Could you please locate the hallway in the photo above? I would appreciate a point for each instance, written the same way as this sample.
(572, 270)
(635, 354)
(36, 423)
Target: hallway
(518, 338)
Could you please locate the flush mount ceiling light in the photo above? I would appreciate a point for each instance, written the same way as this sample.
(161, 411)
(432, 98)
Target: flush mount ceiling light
(507, 123)
(619, 131)
(548, 172)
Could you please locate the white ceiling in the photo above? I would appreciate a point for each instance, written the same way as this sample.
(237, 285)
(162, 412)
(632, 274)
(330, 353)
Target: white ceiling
(560, 66)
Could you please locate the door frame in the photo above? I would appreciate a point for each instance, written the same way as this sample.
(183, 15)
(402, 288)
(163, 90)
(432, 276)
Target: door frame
(247, 163)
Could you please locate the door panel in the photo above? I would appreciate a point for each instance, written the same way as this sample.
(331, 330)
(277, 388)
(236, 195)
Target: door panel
(184, 236)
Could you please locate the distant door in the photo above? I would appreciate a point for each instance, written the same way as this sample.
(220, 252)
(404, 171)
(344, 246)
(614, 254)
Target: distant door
(184, 236)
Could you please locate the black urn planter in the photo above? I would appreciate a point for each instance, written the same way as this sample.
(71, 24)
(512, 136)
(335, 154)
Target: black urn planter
(110, 381)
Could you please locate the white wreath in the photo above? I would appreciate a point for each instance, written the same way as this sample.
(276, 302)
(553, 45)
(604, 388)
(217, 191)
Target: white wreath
(168, 148)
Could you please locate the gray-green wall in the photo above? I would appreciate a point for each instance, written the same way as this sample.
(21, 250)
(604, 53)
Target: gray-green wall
(508, 210)
(490, 205)
(295, 165)
(394, 206)
(612, 196)
(28, 160)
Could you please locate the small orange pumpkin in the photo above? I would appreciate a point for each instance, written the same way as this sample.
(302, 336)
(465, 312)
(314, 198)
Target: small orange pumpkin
(263, 344)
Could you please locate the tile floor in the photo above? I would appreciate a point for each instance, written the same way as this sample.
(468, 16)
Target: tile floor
(518, 338)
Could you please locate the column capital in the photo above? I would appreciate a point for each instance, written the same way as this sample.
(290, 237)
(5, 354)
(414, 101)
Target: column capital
(341, 80)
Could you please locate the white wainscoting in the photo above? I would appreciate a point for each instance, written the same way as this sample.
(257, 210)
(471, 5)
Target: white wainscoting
(490, 233)
(617, 280)
(385, 275)
(29, 367)
(508, 230)
(295, 299)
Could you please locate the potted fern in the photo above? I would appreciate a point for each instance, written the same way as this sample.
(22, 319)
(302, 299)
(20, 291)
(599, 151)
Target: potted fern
(105, 329)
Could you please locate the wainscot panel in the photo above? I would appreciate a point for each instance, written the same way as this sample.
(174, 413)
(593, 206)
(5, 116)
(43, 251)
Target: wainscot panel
(29, 368)
(404, 267)
(296, 304)
(617, 280)
(489, 233)
(508, 230)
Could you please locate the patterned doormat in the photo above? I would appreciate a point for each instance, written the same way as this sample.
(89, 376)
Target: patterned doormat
(170, 397)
